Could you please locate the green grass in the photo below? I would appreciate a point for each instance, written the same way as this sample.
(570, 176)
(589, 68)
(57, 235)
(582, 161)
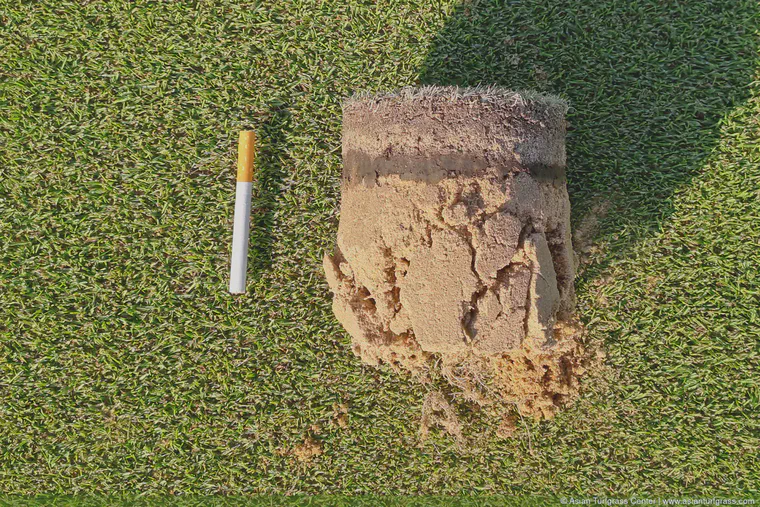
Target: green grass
(126, 367)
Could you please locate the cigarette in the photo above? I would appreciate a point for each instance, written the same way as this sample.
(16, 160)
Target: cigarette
(239, 261)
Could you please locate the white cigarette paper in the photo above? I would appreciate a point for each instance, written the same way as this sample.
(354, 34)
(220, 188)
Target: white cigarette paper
(240, 231)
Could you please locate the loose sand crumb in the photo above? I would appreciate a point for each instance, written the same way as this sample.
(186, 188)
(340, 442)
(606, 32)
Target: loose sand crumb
(340, 414)
(306, 451)
(438, 412)
(507, 427)
(454, 245)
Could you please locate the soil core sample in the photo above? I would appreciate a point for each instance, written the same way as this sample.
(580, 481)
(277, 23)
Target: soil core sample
(454, 242)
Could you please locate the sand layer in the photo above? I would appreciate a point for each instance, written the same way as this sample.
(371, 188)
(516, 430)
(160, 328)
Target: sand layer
(454, 242)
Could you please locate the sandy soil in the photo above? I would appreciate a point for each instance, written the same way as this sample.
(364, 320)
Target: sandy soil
(454, 243)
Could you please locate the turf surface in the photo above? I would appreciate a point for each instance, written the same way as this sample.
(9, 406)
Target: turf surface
(125, 366)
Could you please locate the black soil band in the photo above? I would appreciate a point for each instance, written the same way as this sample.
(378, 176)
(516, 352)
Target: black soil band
(361, 168)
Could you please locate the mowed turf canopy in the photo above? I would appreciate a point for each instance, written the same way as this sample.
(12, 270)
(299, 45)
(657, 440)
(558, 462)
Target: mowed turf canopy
(125, 366)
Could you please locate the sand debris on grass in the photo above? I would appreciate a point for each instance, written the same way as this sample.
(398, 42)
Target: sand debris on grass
(507, 427)
(307, 450)
(340, 415)
(438, 412)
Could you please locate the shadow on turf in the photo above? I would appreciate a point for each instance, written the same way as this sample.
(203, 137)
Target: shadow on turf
(647, 82)
(271, 155)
